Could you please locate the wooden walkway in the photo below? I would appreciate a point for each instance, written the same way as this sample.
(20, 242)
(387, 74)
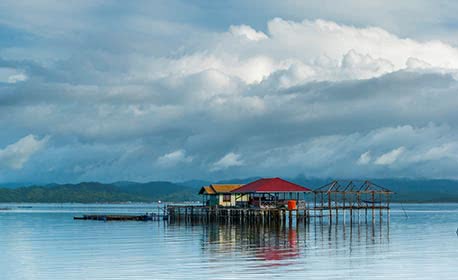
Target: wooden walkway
(269, 215)
(146, 217)
(178, 213)
(205, 214)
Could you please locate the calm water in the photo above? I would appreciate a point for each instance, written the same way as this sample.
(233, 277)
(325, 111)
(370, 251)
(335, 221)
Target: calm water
(44, 242)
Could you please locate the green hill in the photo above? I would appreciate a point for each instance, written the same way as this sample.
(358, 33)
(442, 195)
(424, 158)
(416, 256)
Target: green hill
(93, 192)
(159, 190)
(407, 190)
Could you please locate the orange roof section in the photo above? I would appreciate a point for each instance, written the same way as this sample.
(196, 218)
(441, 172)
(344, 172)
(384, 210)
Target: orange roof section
(206, 190)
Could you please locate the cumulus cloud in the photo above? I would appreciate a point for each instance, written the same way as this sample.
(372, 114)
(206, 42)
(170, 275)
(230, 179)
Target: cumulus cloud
(11, 76)
(229, 160)
(299, 52)
(15, 155)
(443, 151)
(364, 158)
(173, 158)
(336, 40)
(17, 78)
(313, 96)
(390, 157)
(247, 32)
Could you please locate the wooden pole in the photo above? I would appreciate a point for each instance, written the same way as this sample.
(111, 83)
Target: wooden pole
(322, 205)
(351, 208)
(343, 206)
(336, 204)
(388, 207)
(373, 206)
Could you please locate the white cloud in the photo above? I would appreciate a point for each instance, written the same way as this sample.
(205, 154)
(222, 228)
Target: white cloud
(364, 158)
(390, 157)
(11, 75)
(415, 63)
(441, 152)
(335, 40)
(17, 78)
(247, 32)
(173, 158)
(229, 160)
(15, 155)
(299, 52)
(358, 66)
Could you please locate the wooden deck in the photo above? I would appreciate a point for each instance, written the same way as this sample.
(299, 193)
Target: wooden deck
(146, 217)
(254, 215)
(205, 214)
(179, 213)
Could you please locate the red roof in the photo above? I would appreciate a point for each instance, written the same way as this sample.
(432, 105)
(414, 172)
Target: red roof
(270, 185)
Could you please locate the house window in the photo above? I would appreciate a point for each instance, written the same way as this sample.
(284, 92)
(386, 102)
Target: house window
(227, 198)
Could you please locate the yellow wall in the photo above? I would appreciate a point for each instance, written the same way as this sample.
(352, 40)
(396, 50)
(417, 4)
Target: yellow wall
(218, 200)
(224, 203)
(233, 199)
(243, 197)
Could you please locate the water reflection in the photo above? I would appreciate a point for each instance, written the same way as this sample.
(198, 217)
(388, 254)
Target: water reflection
(268, 243)
(46, 243)
(283, 245)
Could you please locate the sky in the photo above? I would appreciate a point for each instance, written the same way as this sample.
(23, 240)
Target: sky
(178, 90)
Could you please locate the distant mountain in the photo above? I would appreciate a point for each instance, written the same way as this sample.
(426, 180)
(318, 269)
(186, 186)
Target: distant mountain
(14, 185)
(88, 192)
(195, 183)
(407, 190)
(422, 190)
(160, 190)
(200, 183)
(93, 192)
(238, 180)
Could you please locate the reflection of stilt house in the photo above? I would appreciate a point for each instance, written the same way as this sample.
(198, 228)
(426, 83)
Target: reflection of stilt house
(221, 195)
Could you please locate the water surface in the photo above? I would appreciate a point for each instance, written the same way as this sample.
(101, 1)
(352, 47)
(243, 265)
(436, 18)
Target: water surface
(42, 241)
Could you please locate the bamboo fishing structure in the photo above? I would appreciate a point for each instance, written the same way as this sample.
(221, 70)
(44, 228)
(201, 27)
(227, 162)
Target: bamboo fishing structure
(339, 197)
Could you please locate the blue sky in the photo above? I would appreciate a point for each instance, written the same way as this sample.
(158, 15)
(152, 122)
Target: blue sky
(177, 90)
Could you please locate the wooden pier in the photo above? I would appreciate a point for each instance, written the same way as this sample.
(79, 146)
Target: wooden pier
(205, 214)
(146, 217)
(249, 205)
(338, 199)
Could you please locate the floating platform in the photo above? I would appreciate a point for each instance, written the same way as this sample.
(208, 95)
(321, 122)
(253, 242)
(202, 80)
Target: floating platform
(146, 217)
